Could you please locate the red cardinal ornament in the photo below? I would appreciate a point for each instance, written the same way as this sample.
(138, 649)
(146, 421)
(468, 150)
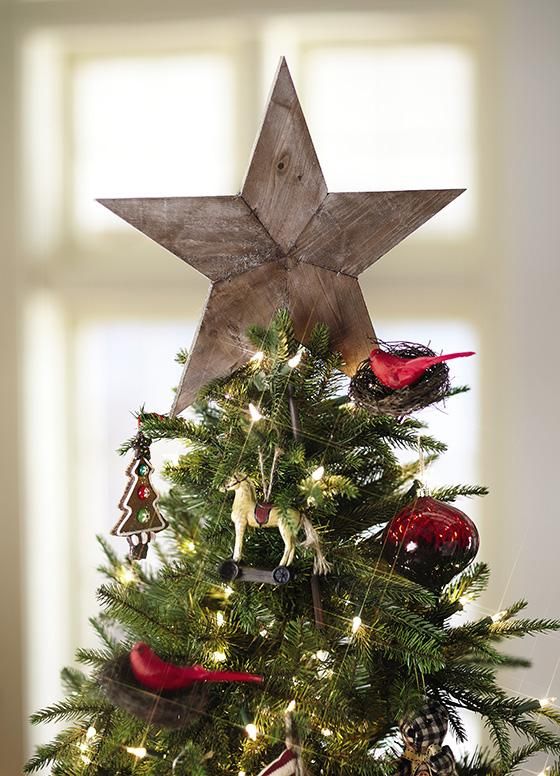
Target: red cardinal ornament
(397, 372)
(153, 672)
(429, 541)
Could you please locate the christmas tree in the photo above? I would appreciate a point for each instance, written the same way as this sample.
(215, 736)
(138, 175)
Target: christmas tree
(303, 618)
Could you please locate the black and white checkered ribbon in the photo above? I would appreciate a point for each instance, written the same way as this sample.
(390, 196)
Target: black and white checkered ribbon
(423, 736)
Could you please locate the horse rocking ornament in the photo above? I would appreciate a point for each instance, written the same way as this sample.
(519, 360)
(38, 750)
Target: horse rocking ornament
(246, 511)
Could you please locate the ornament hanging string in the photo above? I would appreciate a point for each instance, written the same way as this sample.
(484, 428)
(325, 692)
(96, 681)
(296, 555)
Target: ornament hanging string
(289, 762)
(422, 490)
(267, 487)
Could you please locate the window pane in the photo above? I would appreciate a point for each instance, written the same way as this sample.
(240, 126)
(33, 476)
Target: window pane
(395, 117)
(149, 126)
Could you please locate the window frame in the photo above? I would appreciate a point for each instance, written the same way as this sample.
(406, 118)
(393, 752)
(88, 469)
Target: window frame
(83, 280)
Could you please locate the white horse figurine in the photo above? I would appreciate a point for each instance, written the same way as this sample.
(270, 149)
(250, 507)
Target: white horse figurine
(244, 512)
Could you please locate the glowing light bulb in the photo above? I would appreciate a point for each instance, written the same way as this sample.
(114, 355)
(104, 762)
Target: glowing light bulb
(219, 656)
(252, 731)
(547, 702)
(189, 545)
(318, 473)
(126, 575)
(326, 732)
(499, 616)
(356, 624)
(220, 619)
(91, 732)
(257, 357)
(291, 706)
(228, 591)
(138, 751)
(241, 773)
(263, 633)
(85, 759)
(83, 747)
(322, 655)
(294, 360)
(254, 413)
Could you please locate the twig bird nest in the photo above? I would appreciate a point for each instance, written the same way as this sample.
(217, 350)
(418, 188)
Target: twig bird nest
(369, 392)
(172, 710)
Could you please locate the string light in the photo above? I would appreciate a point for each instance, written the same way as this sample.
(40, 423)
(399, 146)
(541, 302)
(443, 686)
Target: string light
(83, 746)
(263, 633)
(254, 413)
(294, 360)
(219, 656)
(138, 751)
(188, 546)
(241, 773)
(220, 619)
(126, 575)
(291, 706)
(318, 473)
(228, 591)
(499, 616)
(252, 731)
(356, 624)
(326, 732)
(547, 702)
(257, 357)
(322, 655)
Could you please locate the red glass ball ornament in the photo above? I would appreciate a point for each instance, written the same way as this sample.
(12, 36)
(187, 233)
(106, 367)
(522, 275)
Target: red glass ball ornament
(143, 492)
(430, 541)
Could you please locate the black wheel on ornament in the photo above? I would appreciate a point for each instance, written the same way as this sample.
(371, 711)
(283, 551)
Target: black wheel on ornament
(282, 575)
(229, 570)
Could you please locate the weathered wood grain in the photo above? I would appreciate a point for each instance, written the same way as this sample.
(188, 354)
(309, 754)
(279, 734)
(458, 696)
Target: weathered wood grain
(284, 185)
(220, 345)
(312, 295)
(218, 236)
(351, 231)
(318, 295)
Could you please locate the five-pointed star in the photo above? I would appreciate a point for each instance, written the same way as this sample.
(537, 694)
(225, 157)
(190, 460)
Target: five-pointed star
(285, 241)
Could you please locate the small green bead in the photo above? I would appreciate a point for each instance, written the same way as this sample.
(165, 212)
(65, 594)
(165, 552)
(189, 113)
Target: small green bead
(143, 515)
(143, 469)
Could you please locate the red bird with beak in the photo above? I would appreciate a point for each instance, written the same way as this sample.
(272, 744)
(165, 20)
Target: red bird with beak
(397, 372)
(153, 672)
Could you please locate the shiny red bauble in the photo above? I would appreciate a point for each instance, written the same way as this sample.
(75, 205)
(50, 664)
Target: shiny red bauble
(430, 541)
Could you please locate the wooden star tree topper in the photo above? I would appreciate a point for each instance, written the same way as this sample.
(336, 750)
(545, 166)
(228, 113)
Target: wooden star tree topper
(284, 241)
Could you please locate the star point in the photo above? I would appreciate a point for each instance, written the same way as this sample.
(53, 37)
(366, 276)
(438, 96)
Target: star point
(284, 185)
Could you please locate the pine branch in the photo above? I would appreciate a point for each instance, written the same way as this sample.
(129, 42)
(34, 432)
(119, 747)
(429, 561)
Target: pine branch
(71, 709)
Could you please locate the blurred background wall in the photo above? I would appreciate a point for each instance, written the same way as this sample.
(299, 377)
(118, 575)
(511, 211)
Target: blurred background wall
(138, 98)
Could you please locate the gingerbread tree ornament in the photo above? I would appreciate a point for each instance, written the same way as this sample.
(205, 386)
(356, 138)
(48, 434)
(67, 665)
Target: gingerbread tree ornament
(284, 242)
(141, 518)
